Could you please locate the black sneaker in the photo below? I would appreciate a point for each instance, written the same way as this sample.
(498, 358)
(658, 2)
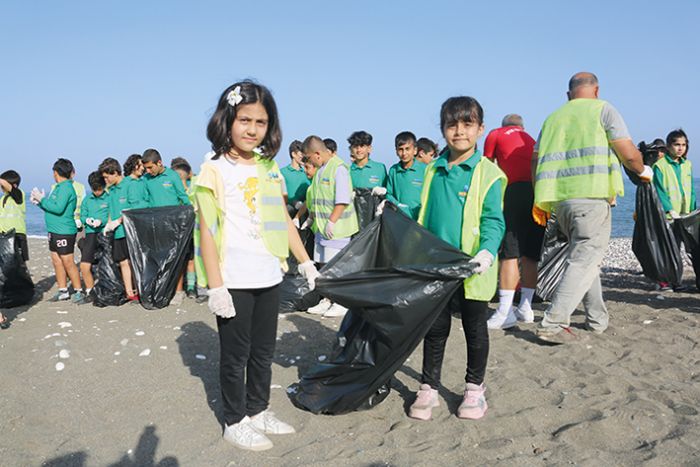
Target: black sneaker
(191, 293)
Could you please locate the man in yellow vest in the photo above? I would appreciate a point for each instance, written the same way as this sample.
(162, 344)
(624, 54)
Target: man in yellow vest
(332, 210)
(577, 174)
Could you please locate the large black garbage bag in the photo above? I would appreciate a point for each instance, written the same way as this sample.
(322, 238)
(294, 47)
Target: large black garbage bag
(16, 285)
(688, 229)
(365, 205)
(395, 277)
(552, 261)
(158, 240)
(653, 242)
(109, 286)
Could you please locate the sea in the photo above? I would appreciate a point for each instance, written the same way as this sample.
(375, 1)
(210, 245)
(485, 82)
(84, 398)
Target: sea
(622, 221)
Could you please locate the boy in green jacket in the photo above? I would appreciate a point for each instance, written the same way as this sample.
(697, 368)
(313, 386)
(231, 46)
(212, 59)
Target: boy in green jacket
(163, 183)
(94, 213)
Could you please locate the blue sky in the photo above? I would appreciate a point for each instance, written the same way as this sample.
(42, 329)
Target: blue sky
(87, 80)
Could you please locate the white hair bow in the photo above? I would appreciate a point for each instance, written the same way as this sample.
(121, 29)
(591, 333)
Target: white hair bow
(234, 97)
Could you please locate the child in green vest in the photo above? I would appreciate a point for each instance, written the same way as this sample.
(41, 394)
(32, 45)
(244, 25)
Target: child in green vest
(462, 203)
(13, 208)
(673, 177)
(246, 235)
(94, 214)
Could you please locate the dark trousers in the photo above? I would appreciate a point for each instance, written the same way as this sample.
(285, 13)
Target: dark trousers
(247, 344)
(474, 315)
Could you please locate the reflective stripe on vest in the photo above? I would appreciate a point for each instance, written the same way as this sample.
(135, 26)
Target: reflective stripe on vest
(273, 213)
(680, 198)
(12, 215)
(323, 202)
(575, 159)
(486, 173)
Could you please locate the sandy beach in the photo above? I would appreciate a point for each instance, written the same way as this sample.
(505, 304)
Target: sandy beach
(84, 386)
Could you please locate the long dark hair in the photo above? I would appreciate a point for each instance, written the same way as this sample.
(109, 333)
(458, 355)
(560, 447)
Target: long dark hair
(673, 136)
(219, 127)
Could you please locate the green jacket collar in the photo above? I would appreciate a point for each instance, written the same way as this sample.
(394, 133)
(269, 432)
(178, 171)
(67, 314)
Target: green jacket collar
(442, 161)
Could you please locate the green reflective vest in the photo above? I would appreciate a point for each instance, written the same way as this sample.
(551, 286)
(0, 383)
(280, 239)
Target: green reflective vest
(679, 195)
(12, 215)
(574, 157)
(486, 173)
(322, 192)
(80, 193)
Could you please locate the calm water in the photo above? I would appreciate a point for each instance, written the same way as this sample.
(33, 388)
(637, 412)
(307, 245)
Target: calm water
(622, 222)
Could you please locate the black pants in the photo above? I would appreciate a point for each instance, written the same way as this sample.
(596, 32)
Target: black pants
(247, 346)
(474, 315)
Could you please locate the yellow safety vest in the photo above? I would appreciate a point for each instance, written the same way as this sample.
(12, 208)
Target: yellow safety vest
(574, 157)
(679, 195)
(486, 173)
(322, 191)
(12, 215)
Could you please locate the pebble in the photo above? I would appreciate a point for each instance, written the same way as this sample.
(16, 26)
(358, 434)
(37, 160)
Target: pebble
(275, 386)
(64, 324)
(145, 353)
(60, 366)
(117, 353)
(140, 333)
(648, 321)
(22, 319)
(124, 341)
(163, 347)
(64, 353)
(62, 312)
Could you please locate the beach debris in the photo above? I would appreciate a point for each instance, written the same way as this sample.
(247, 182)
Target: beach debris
(124, 342)
(660, 297)
(145, 353)
(199, 356)
(117, 353)
(60, 312)
(140, 333)
(322, 358)
(163, 347)
(292, 390)
(647, 321)
(64, 353)
(60, 366)
(275, 386)
(113, 321)
(64, 324)
(176, 328)
(22, 319)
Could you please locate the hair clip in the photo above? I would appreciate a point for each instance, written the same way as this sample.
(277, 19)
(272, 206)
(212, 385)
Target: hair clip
(234, 97)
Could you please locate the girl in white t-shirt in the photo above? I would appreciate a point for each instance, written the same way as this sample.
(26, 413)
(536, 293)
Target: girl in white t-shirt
(246, 234)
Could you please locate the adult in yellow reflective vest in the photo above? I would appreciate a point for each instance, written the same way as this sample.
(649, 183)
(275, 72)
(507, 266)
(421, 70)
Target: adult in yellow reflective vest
(13, 209)
(577, 174)
(332, 210)
(462, 203)
(673, 177)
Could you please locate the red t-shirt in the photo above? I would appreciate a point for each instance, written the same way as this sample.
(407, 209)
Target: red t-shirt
(512, 148)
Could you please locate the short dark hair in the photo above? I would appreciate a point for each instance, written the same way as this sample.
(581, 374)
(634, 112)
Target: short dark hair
(311, 141)
(360, 138)
(96, 181)
(151, 155)
(180, 163)
(426, 145)
(131, 163)
(63, 167)
(11, 177)
(403, 138)
(674, 135)
(295, 146)
(460, 109)
(331, 144)
(219, 127)
(110, 166)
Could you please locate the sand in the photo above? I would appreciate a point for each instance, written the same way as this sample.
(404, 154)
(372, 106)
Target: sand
(141, 388)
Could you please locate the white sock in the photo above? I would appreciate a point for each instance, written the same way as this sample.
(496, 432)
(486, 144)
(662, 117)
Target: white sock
(526, 299)
(505, 301)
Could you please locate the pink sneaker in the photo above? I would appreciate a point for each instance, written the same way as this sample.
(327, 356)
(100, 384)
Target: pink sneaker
(474, 404)
(426, 400)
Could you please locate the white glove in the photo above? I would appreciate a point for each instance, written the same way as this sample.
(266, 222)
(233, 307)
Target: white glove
(483, 260)
(379, 191)
(111, 225)
(380, 209)
(221, 303)
(673, 214)
(309, 272)
(37, 195)
(78, 224)
(295, 221)
(647, 174)
(307, 223)
(328, 232)
(96, 222)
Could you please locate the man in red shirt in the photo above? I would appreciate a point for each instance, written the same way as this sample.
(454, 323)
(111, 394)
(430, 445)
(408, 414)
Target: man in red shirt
(511, 147)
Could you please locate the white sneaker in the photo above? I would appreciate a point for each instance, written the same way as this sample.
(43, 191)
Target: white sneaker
(501, 320)
(526, 316)
(321, 308)
(178, 298)
(335, 311)
(244, 435)
(266, 422)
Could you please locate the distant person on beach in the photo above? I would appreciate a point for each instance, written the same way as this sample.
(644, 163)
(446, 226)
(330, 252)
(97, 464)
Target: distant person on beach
(576, 168)
(136, 191)
(364, 172)
(462, 203)
(118, 201)
(332, 211)
(673, 177)
(511, 148)
(296, 181)
(94, 216)
(59, 212)
(427, 150)
(246, 236)
(660, 144)
(184, 170)
(13, 211)
(405, 179)
(331, 145)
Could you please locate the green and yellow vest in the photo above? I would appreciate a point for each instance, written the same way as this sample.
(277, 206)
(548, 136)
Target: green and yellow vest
(322, 191)
(12, 215)
(679, 195)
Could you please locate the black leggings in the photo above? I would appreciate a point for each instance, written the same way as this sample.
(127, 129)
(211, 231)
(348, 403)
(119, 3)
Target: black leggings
(474, 315)
(247, 347)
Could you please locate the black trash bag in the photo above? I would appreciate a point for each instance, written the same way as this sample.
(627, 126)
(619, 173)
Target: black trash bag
(109, 287)
(653, 242)
(365, 206)
(688, 229)
(650, 154)
(395, 277)
(295, 294)
(16, 285)
(159, 241)
(552, 261)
